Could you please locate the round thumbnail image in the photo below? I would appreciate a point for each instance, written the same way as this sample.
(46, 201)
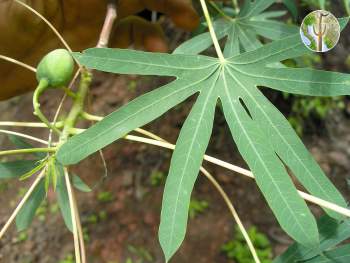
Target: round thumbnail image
(320, 31)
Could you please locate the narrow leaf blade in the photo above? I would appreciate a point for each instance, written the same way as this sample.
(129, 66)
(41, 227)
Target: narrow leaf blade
(184, 168)
(124, 61)
(80, 184)
(25, 216)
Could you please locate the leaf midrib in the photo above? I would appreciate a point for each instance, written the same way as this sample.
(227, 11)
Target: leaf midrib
(106, 60)
(257, 61)
(247, 24)
(285, 79)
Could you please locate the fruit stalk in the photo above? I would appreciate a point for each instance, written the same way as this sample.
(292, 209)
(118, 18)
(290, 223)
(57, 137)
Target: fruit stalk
(43, 84)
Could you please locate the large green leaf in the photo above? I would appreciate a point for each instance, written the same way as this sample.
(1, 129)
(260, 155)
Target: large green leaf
(25, 216)
(263, 136)
(16, 169)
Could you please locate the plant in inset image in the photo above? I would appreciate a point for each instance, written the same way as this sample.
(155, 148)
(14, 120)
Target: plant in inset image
(320, 31)
(223, 71)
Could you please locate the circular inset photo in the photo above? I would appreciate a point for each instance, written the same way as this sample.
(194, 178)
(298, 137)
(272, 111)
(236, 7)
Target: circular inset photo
(320, 31)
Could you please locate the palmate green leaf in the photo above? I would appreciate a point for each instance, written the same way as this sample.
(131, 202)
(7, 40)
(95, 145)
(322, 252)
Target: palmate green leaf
(243, 31)
(25, 216)
(263, 136)
(332, 232)
(15, 169)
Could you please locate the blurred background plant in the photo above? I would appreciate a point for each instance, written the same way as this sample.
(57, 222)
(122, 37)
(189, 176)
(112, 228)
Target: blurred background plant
(237, 250)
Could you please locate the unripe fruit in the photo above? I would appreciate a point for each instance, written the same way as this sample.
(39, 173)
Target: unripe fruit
(56, 68)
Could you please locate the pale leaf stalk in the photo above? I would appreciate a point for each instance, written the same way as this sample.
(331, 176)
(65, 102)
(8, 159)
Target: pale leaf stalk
(74, 217)
(27, 151)
(310, 198)
(157, 141)
(29, 124)
(212, 31)
(80, 230)
(21, 203)
(19, 63)
(26, 136)
(233, 212)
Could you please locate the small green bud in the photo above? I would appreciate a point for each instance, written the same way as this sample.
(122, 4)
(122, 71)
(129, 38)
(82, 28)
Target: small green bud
(56, 68)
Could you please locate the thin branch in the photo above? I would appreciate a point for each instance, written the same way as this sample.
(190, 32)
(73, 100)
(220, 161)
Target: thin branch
(19, 63)
(111, 16)
(24, 136)
(212, 31)
(74, 217)
(21, 203)
(233, 212)
(30, 150)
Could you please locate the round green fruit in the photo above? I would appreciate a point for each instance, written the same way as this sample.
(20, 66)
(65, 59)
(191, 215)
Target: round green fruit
(56, 68)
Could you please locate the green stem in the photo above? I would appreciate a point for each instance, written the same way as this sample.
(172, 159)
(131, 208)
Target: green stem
(31, 150)
(347, 6)
(43, 84)
(78, 105)
(91, 117)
